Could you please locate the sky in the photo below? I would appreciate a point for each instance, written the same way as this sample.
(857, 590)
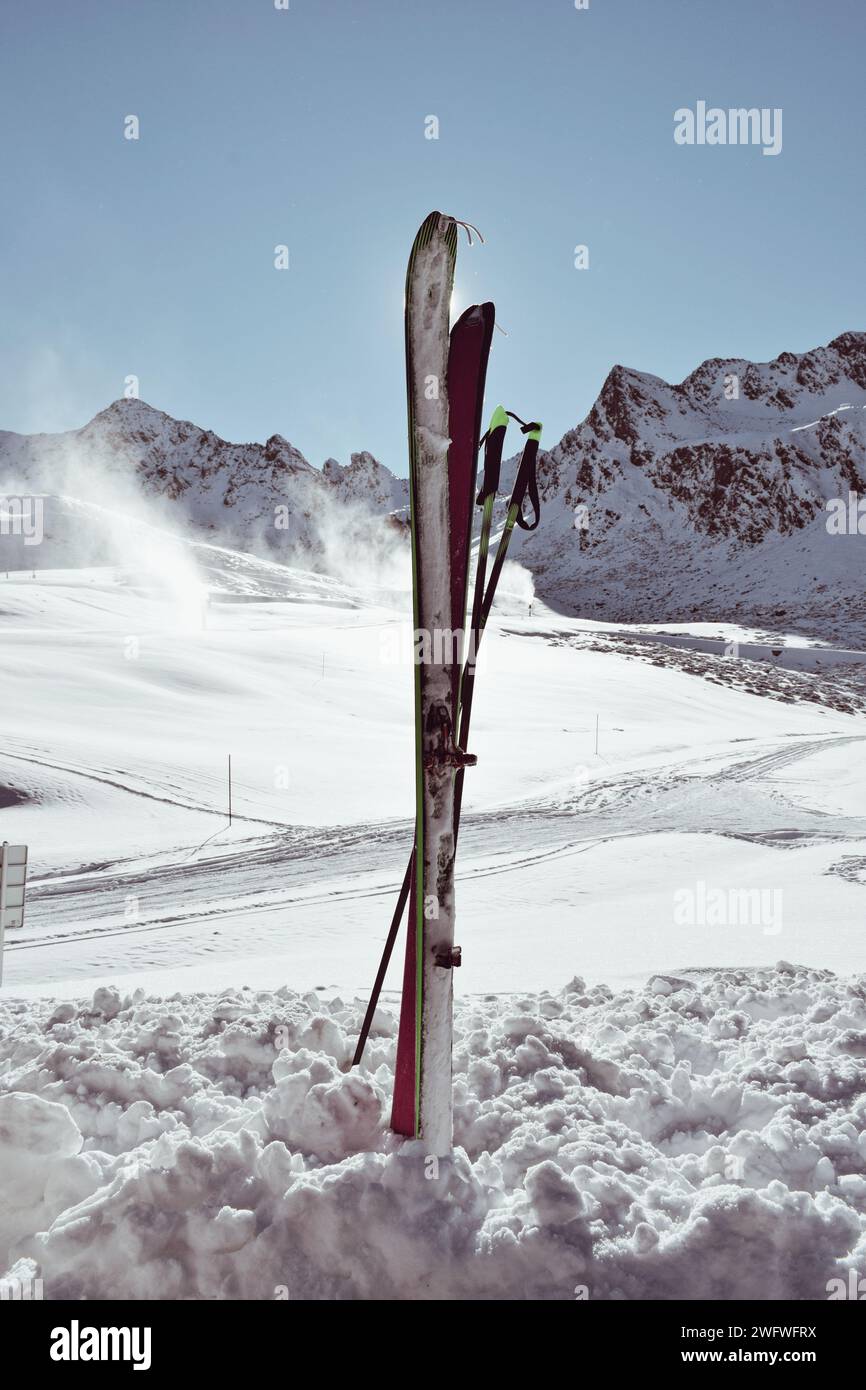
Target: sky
(305, 127)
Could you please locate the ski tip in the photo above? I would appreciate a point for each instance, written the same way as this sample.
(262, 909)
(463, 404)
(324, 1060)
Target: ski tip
(499, 419)
(436, 224)
(482, 313)
(445, 224)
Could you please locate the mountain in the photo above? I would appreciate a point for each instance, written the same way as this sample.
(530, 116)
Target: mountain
(260, 496)
(706, 499)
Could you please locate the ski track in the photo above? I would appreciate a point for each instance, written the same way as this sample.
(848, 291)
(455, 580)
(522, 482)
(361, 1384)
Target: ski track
(253, 879)
(115, 781)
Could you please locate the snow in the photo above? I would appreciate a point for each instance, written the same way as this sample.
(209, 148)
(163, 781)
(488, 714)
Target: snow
(727, 772)
(177, 1117)
(698, 1137)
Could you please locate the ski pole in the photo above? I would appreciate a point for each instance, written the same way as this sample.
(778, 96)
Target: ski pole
(493, 442)
(386, 958)
(483, 602)
(525, 482)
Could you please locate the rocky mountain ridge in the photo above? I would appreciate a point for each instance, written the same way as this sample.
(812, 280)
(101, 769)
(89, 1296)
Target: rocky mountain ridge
(703, 498)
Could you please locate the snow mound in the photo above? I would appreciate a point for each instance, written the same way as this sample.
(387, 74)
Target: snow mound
(698, 1138)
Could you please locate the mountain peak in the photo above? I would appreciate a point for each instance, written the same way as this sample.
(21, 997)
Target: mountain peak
(679, 489)
(718, 485)
(126, 408)
(851, 347)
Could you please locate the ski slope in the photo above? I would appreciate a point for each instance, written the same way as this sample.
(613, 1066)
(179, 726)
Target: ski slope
(122, 705)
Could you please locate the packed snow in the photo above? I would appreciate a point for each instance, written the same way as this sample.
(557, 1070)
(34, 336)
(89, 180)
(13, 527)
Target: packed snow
(695, 1138)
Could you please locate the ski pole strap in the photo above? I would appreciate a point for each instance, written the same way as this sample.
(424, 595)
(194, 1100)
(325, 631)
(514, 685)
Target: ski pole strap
(493, 442)
(526, 482)
(531, 427)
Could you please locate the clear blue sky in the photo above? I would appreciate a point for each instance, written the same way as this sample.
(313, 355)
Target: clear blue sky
(306, 127)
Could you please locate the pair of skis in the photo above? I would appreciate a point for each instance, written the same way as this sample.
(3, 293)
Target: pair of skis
(446, 376)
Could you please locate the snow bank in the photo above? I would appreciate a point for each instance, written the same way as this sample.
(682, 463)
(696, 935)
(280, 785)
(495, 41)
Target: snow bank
(697, 1138)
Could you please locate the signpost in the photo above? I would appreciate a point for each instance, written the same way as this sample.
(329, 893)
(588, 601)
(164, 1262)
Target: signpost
(13, 879)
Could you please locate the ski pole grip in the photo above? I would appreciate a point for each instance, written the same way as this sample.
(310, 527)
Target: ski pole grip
(494, 442)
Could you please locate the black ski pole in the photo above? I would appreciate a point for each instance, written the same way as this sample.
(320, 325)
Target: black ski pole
(386, 958)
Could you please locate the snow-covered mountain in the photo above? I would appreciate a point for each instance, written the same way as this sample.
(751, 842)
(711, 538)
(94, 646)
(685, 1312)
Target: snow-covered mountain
(260, 496)
(669, 502)
(709, 498)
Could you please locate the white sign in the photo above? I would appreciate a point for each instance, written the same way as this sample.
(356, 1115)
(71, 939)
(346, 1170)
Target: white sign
(13, 880)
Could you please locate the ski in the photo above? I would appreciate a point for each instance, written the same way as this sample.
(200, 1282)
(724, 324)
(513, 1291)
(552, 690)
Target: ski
(446, 377)
(469, 349)
(468, 353)
(525, 484)
(429, 284)
(444, 420)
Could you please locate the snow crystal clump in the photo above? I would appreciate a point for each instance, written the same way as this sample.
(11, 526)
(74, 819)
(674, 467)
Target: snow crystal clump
(699, 1138)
